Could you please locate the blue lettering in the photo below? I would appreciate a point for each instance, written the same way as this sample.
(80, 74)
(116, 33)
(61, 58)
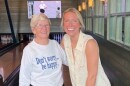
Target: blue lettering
(52, 65)
(52, 58)
(49, 62)
(43, 67)
(40, 61)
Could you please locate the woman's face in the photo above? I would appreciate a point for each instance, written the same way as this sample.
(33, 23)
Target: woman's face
(42, 29)
(71, 24)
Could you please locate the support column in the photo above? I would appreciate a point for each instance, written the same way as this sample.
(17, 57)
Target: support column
(10, 21)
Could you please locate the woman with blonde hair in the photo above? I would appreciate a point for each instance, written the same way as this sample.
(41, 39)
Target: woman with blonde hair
(82, 52)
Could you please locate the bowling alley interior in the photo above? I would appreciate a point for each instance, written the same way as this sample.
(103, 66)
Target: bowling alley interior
(107, 21)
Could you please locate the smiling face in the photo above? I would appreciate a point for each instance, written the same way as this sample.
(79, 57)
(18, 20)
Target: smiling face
(71, 24)
(42, 30)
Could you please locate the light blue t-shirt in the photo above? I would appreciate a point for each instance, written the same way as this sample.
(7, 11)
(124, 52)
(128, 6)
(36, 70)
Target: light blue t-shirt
(42, 64)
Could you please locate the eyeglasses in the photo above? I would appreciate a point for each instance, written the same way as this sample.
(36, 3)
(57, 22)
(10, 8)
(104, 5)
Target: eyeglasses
(43, 26)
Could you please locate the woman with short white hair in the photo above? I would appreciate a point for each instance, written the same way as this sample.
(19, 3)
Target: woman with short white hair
(42, 58)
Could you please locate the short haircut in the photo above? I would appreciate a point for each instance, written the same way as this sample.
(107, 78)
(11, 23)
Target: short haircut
(36, 18)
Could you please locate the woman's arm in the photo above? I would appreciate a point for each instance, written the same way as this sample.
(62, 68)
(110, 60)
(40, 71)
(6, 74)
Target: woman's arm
(92, 54)
(25, 69)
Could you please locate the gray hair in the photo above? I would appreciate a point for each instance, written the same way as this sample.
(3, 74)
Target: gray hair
(74, 10)
(36, 18)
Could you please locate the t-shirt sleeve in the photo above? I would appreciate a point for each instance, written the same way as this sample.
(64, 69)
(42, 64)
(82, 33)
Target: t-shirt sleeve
(64, 57)
(62, 54)
(25, 68)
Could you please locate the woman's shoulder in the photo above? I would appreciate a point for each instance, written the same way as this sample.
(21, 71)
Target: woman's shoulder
(28, 46)
(89, 40)
(87, 36)
(55, 44)
(66, 35)
(53, 41)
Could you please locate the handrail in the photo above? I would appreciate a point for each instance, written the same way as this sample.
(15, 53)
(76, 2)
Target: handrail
(8, 48)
